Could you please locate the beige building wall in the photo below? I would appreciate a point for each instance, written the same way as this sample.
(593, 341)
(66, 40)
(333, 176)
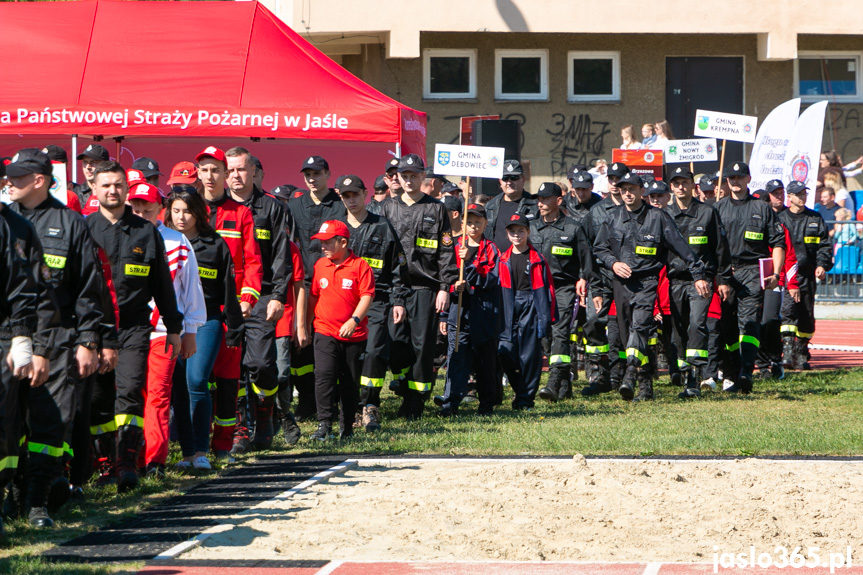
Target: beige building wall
(374, 40)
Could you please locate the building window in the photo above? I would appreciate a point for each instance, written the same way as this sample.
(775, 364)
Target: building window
(449, 73)
(593, 76)
(521, 74)
(832, 75)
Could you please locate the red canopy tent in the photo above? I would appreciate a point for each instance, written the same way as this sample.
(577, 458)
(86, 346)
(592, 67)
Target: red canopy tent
(183, 69)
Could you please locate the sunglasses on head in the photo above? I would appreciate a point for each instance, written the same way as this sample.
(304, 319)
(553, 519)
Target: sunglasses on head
(184, 188)
(510, 178)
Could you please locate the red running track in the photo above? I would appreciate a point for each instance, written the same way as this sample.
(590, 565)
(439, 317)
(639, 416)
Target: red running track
(840, 333)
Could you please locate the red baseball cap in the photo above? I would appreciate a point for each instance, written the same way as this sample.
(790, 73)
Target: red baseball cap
(146, 192)
(212, 152)
(331, 229)
(183, 173)
(134, 176)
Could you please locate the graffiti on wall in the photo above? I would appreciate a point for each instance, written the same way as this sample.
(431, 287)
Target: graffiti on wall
(576, 139)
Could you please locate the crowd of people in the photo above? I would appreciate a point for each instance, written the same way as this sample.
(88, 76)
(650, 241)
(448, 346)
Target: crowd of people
(242, 311)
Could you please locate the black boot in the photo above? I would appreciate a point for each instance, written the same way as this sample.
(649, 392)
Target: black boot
(290, 429)
(242, 443)
(801, 354)
(692, 377)
(552, 386)
(645, 384)
(130, 440)
(565, 389)
(105, 452)
(598, 380)
(412, 405)
(58, 494)
(788, 352)
(38, 482)
(627, 386)
(264, 422)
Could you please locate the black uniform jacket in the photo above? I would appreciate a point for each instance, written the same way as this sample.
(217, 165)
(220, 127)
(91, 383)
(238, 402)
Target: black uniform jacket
(375, 241)
(642, 240)
(139, 269)
(272, 222)
(424, 231)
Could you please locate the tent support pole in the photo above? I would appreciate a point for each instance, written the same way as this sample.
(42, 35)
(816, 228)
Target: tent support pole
(398, 149)
(74, 157)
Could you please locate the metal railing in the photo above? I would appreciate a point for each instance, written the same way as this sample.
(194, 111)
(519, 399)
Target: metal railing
(844, 283)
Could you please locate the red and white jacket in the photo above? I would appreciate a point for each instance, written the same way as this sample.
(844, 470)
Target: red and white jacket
(187, 284)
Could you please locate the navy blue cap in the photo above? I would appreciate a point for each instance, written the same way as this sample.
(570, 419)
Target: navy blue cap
(147, 166)
(350, 183)
(581, 180)
(680, 172)
(95, 152)
(411, 163)
(518, 220)
(549, 190)
(29, 161)
(795, 187)
(512, 168)
(618, 169)
(656, 187)
(736, 169)
(316, 163)
(774, 185)
(631, 178)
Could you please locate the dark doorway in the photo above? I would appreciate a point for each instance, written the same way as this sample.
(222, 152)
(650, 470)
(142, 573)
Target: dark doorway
(715, 84)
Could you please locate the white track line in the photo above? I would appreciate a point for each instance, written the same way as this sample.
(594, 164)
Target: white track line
(196, 541)
(329, 568)
(652, 569)
(850, 348)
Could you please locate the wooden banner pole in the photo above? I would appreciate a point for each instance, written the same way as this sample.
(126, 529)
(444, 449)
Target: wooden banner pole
(465, 203)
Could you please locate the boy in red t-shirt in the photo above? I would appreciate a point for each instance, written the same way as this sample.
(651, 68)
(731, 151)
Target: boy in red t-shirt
(343, 287)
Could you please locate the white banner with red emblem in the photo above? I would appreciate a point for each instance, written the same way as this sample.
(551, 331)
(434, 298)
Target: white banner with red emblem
(769, 153)
(471, 161)
(804, 149)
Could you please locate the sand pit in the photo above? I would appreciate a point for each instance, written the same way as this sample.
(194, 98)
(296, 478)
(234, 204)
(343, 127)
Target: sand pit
(556, 510)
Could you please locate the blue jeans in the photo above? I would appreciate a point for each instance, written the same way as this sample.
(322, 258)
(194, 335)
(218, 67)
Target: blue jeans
(193, 407)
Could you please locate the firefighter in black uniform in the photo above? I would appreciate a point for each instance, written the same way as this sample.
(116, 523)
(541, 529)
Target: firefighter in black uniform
(581, 197)
(422, 225)
(17, 325)
(310, 208)
(513, 200)
(577, 206)
(374, 240)
(600, 358)
(89, 158)
(700, 226)
(140, 273)
(562, 243)
(74, 274)
(401, 350)
(752, 230)
(814, 259)
(634, 243)
(30, 489)
(272, 222)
